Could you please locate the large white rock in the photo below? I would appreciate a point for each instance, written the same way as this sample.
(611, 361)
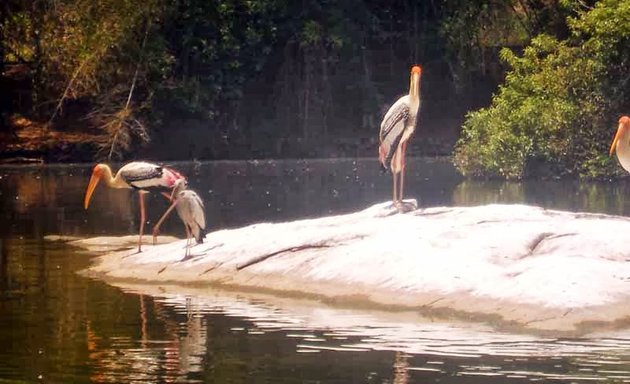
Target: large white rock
(528, 267)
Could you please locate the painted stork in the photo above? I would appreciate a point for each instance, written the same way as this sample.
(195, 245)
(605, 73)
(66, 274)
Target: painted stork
(138, 175)
(397, 127)
(621, 143)
(190, 210)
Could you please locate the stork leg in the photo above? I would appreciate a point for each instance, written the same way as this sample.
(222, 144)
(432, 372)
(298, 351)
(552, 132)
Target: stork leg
(142, 219)
(156, 227)
(402, 172)
(187, 236)
(402, 206)
(394, 193)
(395, 167)
(188, 232)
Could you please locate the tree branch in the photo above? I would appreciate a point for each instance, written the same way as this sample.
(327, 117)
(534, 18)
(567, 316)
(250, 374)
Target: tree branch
(65, 92)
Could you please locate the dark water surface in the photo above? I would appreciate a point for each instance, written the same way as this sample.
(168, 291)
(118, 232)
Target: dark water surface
(59, 327)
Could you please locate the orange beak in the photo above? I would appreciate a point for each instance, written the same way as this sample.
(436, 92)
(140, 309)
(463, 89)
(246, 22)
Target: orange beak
(96, 177)
(414, 83)
(613, 146)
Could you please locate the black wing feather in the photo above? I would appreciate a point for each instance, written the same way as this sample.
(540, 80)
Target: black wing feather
(393, 148)
(401, 114)
(140, 174)
(392, 130)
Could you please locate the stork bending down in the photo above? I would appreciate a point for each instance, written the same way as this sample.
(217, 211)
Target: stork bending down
(138, 175)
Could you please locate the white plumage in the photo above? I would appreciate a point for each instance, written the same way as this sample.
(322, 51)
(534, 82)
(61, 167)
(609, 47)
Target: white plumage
(397, 127)
(190, 210)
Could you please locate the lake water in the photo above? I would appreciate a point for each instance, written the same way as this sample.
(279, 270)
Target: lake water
(59, 327)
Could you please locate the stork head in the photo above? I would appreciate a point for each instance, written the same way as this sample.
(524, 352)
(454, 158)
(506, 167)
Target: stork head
(414, 84)
(97, 173)
(622, 131)
(178, 186)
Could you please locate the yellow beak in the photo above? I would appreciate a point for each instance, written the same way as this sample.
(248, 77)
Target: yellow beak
(414, 84)
(90, 189)
(613, 146)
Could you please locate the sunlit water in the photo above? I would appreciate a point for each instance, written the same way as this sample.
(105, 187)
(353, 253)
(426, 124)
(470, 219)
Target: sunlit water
(59, 327)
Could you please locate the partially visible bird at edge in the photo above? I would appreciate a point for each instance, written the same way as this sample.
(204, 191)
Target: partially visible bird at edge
(397, 127)
(190, 210)
(138, 175)
(621, 143)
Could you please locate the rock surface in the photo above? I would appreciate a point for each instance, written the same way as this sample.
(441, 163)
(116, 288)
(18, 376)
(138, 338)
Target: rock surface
(517, 266)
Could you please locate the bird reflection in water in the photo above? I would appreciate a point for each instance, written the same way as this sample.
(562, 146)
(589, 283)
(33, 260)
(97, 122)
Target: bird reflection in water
(148, 358)
(401, 368)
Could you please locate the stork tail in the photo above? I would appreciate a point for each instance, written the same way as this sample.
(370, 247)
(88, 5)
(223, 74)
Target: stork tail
(199, 235)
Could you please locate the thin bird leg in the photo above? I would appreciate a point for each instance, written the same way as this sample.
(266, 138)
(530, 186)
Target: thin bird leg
(394, 187)
(142, 219)
(187, 252)
(188, 232)
(402, 172)
(156, 227)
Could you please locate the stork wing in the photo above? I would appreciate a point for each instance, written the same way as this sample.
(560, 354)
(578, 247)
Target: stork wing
(195, 207)
(139, 171)
(392, 129)
(198, 214)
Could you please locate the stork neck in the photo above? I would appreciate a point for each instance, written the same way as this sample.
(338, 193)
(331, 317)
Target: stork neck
(414, 87)
(110, 180)
(623, 152)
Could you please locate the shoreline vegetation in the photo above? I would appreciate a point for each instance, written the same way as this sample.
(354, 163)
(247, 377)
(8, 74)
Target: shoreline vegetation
(512, 89)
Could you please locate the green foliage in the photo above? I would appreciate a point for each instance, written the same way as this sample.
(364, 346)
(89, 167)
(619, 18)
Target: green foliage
(475, 31)
(272, 72)
(554, 113)
(84, 43)
(215, 48)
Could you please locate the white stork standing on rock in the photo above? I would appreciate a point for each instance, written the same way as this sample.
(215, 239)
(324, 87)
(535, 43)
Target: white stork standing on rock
(138, 175)
(190, 210)
(397, 127)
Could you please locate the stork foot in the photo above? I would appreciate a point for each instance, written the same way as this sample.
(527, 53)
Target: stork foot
(406, 206)
(155, 234)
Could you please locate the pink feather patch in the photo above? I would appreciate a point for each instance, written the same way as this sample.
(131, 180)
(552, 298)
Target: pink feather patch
(171, 176)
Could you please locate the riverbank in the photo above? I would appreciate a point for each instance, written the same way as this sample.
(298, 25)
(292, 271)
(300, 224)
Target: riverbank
(29, 141)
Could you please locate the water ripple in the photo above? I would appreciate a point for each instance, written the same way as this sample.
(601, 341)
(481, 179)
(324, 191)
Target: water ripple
(457, 350)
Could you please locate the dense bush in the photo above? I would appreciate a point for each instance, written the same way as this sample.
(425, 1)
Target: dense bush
(556, 110)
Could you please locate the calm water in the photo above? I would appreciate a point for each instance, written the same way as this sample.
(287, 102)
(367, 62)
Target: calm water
(59, 327)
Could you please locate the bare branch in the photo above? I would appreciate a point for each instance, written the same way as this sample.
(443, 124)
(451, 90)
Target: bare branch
(68, 88)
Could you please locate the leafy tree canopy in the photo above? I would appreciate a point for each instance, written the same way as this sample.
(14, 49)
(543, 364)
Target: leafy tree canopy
(553, 114)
